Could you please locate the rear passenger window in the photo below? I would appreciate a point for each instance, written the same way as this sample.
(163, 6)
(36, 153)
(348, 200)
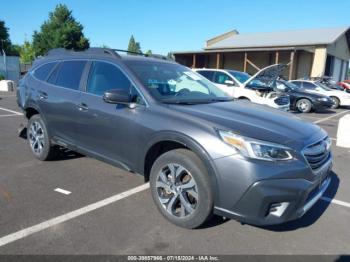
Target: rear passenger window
(104, 76)
(69, 74)
(43, 71)
(207, 74)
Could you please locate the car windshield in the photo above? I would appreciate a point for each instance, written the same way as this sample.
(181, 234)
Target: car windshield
(173, 83)
(240, 76)
(323, 86)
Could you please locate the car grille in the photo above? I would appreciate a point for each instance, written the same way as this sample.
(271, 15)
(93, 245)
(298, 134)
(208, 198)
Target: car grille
(282, 100)
(317, 154)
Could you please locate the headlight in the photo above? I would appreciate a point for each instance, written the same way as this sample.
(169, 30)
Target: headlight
(328, 143)
(257, 149)
(325, 99)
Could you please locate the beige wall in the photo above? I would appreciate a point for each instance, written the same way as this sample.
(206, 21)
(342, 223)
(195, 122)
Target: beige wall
(303, 64)
(319, 62)
(339, 49)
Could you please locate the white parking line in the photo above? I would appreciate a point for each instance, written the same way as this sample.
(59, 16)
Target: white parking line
(63, 218)
(335, 201)
(11, 111)
(62, 191)
(330, 117)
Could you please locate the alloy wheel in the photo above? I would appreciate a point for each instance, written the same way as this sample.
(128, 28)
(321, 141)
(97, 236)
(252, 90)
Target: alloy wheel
(177, 190)
(36, 137)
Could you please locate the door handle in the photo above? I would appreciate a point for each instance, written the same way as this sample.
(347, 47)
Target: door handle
(42, 95)
(82, 107)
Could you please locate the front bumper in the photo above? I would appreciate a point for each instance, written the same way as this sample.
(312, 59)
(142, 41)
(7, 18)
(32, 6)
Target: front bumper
(322, 104)
(277, 200)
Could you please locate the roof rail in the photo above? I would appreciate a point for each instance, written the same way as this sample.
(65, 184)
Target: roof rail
(92, 50)
(143, 54)
(100, 50)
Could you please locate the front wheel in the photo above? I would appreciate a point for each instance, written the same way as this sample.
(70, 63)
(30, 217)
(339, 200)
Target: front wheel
(336, 102)
(304, 105)
(38, 139)
(181, 188)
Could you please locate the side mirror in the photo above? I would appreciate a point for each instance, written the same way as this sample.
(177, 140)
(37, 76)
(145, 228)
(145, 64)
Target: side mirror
(118, 96)
(229, 82)
(318, 89)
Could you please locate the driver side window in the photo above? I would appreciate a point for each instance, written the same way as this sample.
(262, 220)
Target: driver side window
(221, 77)
(104, 76)
(308, 85)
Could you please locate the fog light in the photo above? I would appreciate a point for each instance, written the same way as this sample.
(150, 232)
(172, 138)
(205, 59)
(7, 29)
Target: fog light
(277, 209)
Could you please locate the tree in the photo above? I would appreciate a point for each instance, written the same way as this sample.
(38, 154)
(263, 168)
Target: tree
(5, 42)
(26, 52)
(149, 52)
(134, 46)
(61, 30)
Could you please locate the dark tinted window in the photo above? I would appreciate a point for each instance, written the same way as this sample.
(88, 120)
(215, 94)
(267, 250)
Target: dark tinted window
(104, 76)
(43, 71)
(220, 78)
(297, 83)
(69, 74)
(308, 85)
(54, 74)
(207, 74)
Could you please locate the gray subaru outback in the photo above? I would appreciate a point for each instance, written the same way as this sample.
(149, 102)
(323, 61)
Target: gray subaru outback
(202, 152)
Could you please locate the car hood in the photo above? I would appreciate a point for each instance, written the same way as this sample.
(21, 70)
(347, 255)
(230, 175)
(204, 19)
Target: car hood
(267, 75)
(255, 121)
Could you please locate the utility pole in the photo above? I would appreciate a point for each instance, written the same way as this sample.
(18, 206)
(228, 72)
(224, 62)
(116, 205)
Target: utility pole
(4, 54)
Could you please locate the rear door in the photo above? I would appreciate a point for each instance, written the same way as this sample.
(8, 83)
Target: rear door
(108, 130)
(59, 100)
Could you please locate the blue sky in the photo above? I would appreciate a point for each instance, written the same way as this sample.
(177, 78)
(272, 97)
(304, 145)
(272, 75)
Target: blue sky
(176, 25)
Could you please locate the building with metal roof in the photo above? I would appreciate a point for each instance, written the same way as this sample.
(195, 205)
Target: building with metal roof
(309, 52)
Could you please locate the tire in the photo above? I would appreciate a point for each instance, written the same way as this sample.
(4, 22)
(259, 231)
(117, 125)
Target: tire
(39, 141)
(303, 105)
(336, 102)
(190, 203)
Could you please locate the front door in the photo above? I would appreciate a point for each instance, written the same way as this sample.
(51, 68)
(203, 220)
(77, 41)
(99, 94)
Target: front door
(107, 130)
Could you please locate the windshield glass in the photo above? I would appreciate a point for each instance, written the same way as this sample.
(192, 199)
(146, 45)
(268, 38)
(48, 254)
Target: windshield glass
(323, 86)
(173, 83)
(240, 76)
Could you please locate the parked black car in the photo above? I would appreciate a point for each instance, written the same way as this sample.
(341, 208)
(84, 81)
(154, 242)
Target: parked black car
(202, 152)
(303, 101)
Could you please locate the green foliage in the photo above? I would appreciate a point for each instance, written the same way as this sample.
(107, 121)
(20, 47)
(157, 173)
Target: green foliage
(26, 52)
(2, 77)
(134, 46)
(5, 42)
(149, 52)
(61, 30)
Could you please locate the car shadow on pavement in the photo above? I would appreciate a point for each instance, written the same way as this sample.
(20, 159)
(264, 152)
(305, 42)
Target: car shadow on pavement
(313, 214)
(67, 154)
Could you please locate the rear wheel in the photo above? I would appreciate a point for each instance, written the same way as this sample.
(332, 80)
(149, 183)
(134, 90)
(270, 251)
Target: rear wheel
(181, 188)
(336, 102)
(38, 139)
(304, 105)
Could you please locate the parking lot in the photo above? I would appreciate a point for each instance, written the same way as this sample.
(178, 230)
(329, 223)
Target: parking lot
(78, 205)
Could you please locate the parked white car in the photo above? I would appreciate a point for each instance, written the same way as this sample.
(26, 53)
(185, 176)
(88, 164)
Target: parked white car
(257, 89)
(339, 98)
